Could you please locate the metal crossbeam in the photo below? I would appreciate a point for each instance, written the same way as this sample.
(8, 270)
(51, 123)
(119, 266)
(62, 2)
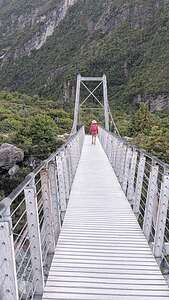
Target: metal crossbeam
(91, 93)
(91, 78)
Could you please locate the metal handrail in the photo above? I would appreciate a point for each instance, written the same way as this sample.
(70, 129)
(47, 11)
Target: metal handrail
(30, 221)
(145, 181)
(7, 201)
(127, 143)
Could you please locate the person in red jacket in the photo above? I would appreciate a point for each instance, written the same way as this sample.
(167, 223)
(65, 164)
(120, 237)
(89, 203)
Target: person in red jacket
(94, 131)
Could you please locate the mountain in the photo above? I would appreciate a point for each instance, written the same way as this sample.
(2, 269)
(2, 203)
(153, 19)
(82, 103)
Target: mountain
(44, 44)
(26, 25)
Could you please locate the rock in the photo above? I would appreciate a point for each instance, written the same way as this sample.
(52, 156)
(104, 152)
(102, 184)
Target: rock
(12, 171)
(136, 13)
(155, 102)
(10, 155)
(62, 138)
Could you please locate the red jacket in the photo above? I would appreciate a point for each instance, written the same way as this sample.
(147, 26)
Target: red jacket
(94, 129)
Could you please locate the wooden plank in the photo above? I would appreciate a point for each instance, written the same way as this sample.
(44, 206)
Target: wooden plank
(102, 252)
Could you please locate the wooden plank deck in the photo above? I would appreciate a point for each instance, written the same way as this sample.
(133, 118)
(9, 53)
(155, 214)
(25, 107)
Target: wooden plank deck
(102, 253)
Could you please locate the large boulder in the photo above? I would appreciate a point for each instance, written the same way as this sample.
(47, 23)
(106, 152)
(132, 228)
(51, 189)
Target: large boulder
(10, 155)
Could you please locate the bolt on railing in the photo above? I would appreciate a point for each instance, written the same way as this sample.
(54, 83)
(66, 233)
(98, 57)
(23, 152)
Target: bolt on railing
(30, 221)
(145, 182)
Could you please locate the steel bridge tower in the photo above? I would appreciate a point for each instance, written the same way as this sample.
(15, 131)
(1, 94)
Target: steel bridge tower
(102, 81)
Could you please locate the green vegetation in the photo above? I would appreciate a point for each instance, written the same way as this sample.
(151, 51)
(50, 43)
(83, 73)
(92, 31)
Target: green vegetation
(32, 124)
(150, 132)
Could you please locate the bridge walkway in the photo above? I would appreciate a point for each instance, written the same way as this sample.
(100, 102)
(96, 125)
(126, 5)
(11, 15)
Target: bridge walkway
(102, 252)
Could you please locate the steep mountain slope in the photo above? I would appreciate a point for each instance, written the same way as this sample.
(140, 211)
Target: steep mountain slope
(45, 44)
(25, 25)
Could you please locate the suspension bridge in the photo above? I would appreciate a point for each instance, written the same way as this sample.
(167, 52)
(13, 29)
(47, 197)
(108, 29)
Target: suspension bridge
(91, 222)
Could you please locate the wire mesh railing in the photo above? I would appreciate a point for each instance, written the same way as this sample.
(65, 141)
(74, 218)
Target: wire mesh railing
(145, 181)
(30, 222)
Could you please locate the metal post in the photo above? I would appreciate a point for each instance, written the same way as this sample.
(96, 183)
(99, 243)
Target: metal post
(119, 157)
(77, 105)
(107, 144)
(8, 277)
(55, 200)
(47, 227)
(75, 152)
(106, 141)
(101, 135)
(166, 248)
(122, 163)
(151, 195)
(72, 159)
(65, 174)
(130, 190)
(111, 151)
(103, 139)
(139, 184)
(69, 164)
(34, 236)
(114, 153)
(62, 194)
(127, 169)
(106, 105)
(161, 216)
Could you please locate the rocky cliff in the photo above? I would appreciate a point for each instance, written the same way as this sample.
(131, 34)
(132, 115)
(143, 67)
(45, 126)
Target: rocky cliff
(32, 26)
(44, 42)
(159, 102)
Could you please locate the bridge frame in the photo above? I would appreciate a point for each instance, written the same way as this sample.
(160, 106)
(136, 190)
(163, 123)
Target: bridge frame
(81, 81)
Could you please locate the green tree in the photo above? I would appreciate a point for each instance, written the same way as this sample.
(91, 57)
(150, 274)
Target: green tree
(42, 128)
(62, 119)
(157, 142)
(10, 124)
(142, 121)
(38, 135)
